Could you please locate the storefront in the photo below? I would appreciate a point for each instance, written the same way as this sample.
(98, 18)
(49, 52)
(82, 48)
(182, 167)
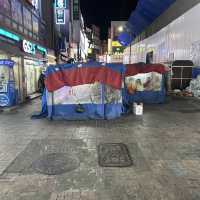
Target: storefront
(30, 59)
(32, 70)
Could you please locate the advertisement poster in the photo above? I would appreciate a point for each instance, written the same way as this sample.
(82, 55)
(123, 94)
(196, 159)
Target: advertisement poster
(16, 11)
(144, 82)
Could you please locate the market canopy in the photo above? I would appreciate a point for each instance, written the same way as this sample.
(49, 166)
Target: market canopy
(134, 69)
(144, 15)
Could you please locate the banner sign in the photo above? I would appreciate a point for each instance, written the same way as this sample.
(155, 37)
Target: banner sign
(60, 4)
(60, 16)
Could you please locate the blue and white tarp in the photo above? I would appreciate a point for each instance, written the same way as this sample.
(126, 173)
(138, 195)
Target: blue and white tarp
(144, 84)
(89, 91)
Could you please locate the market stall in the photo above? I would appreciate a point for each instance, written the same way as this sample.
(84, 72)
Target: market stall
(144, 83)
(84, 91)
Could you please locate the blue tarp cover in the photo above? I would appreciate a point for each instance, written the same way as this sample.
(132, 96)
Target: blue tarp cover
(144, 15)
(68, 111)
(195, 72)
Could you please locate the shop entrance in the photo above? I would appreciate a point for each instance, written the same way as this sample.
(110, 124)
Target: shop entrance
(32, 70)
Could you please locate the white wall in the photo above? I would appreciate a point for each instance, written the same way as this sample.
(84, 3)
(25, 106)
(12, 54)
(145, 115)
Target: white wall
(178, 40)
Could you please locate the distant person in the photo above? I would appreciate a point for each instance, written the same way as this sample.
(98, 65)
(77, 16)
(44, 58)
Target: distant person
(41, 84)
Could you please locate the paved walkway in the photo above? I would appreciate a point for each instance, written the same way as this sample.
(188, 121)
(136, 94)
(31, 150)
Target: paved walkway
(164, 145)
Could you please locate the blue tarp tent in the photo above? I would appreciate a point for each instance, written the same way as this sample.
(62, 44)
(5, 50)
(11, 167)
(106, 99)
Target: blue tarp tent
(83, 91)
(144, 84)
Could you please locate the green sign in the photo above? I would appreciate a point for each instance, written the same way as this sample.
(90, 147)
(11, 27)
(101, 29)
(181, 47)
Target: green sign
(31, 48)
(76, 9)
(9, 35)
(60, 4)
(60, 16)
(42, 49)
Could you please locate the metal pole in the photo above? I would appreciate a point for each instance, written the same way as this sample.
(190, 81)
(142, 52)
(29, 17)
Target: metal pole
(130, 50)
(130, 55)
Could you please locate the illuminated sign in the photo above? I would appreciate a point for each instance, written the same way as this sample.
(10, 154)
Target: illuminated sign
(31, 48)
(116, 44)
(89, 50)
(60, 16)
(28, 47)
(42, 49)
(76, 9)
(9, 35)
(60, 4)
(10, 63)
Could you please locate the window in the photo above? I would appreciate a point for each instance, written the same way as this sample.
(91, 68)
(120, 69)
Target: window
(5, 7)
(27, 19)
(16, 11)
(35, 25)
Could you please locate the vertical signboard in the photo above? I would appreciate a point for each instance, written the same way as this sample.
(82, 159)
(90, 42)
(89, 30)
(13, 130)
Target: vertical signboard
(60, 4)
(76, 9)
(60, 16)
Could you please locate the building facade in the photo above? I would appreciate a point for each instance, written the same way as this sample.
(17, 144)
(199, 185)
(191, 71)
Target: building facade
(25, 40)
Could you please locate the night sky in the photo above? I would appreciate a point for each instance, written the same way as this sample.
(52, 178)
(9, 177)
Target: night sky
(101, 12)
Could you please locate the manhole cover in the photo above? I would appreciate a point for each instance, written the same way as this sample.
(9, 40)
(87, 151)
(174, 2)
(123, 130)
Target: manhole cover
(114, 155)
(55, 164)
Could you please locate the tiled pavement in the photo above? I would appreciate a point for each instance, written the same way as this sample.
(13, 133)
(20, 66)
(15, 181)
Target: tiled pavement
(164, 145)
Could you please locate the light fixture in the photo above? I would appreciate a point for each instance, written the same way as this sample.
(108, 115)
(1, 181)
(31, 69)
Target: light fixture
(120, 28)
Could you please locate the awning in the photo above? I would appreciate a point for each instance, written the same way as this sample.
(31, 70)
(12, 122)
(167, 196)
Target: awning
(144, 15)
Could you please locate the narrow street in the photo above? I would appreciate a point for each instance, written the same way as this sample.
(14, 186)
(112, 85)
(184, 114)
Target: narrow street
(164, 145)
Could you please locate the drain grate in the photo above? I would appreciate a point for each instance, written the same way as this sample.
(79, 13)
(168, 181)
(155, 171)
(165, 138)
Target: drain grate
(55, 164)
(114, 155)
